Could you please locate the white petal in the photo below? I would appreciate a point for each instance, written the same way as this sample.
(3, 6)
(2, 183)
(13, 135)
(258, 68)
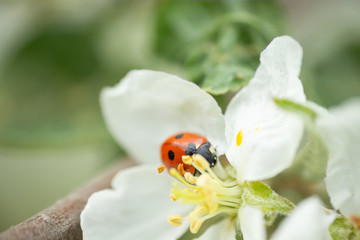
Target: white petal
(308, 221)
(270, 135)
(147, 107)
(224, 230)
(137, 208)
(341, 134)
(252, 223)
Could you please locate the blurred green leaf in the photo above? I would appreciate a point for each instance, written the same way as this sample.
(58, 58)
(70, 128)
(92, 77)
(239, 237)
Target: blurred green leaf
(224, 78)
(225, 57)
(341, 229)
(219, 45)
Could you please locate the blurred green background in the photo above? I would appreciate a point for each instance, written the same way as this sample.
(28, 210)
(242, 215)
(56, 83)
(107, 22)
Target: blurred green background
(55, 56)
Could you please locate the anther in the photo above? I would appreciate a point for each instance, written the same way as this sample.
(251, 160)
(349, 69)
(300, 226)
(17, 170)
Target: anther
(201, 162)
(161, 169)
(175, 220)
(187, 159)
(181, 169)
(212, 195)
(190, 178)
(173, 197)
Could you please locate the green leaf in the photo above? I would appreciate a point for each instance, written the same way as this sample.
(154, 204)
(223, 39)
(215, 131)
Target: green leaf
(261, 196)
(341, 229)
(295, 107)
(225, 57)
(224, 78)
(219, 45)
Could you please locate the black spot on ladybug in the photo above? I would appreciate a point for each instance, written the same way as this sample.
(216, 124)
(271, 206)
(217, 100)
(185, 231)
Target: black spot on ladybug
(171, 155)
(191, 149)
(179, 136)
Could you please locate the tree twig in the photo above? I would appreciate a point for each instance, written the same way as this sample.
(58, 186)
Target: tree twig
(62, 220)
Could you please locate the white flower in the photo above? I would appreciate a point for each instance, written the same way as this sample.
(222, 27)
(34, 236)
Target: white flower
(308, 221)
(146, 107)
(341, 133)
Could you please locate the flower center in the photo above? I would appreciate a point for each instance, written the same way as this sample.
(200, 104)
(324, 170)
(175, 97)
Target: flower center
(211, 195)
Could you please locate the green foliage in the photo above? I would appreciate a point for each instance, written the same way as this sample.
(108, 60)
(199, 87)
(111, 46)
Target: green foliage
(261, 196)
(220, 52)
(224, 78)
(331, 72)
(226, 55)
(342, 229)
(49, 92)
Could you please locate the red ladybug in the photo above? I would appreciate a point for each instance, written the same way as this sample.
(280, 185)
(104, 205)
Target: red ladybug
(182, 144)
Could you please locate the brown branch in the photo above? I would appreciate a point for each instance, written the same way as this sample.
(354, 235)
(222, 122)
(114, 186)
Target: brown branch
(62, 220)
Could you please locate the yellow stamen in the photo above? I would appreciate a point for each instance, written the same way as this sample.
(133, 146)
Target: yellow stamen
(200, 162)
(175, 220)
(173, 197)
(195, 226)
(177, 175)
(209, 192)
(211, 195)
(190, 178)
(187, 159)
(239, 138)
(161, 169)
(181, 169)
(199, 210)
(257, 129)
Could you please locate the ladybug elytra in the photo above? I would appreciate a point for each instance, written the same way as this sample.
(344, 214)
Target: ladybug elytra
(182, 144)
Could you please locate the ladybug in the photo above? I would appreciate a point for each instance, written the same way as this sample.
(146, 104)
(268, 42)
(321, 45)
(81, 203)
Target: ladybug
(182, 144)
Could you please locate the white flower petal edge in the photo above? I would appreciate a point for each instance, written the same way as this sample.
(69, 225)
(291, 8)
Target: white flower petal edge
(308, 221)
(252, 223)
(341, 134)
(147, 107)
(263, 139)
(136, 208)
